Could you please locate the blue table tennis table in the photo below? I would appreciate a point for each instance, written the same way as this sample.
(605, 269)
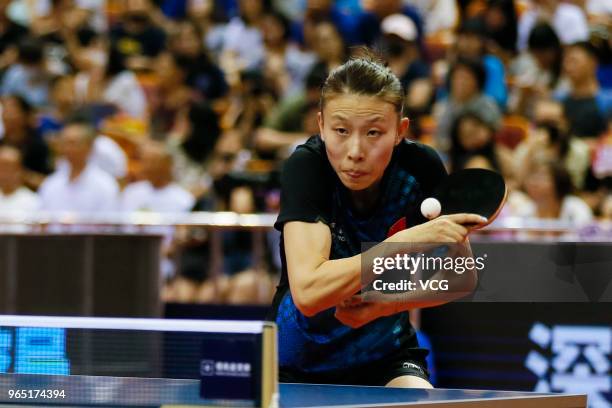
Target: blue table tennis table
(96, 391)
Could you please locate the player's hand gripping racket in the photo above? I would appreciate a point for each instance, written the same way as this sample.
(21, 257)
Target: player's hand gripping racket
(474, 191)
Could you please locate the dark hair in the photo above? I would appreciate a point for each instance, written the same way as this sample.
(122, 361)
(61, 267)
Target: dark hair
(81, 120)
(188, 22)
(505, 36)
(86, 36)
(116, 62)
(23, 103)
(542, 37)
(30, 51)
(181, 62)
(316, 77)
(459, 156)
(587, 47)
(474, 26)
(204, 133)
(266, 6)
(284, 22)
(562, 179)
(475, 66)
(556, 136)
(365, 74)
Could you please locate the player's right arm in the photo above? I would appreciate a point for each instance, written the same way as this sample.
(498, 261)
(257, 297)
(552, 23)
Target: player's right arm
(317, 283)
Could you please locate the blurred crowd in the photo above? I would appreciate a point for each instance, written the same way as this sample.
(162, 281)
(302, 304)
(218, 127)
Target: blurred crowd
(186, 105)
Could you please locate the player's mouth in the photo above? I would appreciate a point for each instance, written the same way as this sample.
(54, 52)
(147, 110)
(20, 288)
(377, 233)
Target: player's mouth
(355, 174)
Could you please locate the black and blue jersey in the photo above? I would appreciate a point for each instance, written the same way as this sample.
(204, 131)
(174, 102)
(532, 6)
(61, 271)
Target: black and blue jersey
(312, 192)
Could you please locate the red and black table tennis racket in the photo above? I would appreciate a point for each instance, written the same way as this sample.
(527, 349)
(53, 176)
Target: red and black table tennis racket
(474, 191)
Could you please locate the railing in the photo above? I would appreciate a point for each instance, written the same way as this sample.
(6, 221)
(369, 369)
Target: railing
(230, 220)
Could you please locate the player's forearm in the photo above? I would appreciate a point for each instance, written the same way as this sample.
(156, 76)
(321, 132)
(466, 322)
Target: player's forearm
(333, 281)
(329, 284)
(458, 286)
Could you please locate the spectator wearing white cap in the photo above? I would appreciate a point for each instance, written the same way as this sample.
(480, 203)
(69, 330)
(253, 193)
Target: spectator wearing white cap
(401, 49)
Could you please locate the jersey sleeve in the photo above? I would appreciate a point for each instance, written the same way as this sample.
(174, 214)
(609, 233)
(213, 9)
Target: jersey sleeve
(424, 163)
(432, 170)
(306, 188)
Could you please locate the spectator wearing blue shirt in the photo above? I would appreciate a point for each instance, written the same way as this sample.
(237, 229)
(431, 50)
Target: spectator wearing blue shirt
(28, 78)
(471, 44)
(587, 106)
(316, 11)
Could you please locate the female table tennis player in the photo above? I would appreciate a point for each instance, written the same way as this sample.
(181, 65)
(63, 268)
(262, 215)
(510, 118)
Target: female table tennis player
(343, 187)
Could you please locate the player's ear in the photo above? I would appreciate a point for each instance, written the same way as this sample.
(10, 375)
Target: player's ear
(402, 130)
(320, 121)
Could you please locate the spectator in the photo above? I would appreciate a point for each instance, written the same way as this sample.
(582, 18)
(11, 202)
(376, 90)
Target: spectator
(157, 191)
(287, 125)
(439, 15)
(17, 120)
(62, 105)
(252, 102)
(536, 72)
(285, 65)
(606, 208)
(80, 186)
(402, 51)
(28, 78)
(471, 43)
(567, 19)
(325, 10)
(11, 33)
(202, 74)
(466, 80)
(585, 105)
(550, 138)
(55, 18)
(375, 11)
(243, 47)
(107, 154)
(191, 148)
(330, 48)
(553, 196)
(173, 96)
(14, 196)
(501, 28)
(472, 136)
(211, 22)
(136, 38)
(111, 84)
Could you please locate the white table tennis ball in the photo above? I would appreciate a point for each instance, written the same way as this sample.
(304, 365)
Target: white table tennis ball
(430, 208)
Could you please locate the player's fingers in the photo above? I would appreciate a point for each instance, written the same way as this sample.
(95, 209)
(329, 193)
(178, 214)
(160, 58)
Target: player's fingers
(450, 231)
(464, 218)
(453, 237)
(458, 228)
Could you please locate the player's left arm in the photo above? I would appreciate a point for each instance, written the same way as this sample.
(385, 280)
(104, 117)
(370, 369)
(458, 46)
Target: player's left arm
(356, 313)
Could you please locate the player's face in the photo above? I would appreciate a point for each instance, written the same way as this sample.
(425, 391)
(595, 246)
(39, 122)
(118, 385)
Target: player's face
(360, 133)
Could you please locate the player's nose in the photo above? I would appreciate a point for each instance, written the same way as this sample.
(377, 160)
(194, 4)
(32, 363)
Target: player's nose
(355, 148)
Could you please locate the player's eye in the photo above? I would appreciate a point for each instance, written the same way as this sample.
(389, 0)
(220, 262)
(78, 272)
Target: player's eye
(341, 131)
(374, 133)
